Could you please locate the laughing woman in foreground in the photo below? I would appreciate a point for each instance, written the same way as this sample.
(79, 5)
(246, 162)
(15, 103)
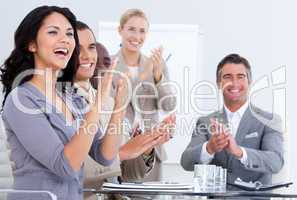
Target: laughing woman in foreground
(48, 134)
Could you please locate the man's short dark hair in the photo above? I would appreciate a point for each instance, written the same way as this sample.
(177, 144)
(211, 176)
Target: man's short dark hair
(235, 59)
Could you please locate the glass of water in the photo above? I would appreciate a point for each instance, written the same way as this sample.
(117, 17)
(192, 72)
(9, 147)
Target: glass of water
(223, 180)
(220, 179)
(199, 178)
(204, 178)
(209, 178)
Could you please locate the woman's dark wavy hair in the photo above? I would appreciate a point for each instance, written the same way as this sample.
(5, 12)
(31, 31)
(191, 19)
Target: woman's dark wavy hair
(21, 59)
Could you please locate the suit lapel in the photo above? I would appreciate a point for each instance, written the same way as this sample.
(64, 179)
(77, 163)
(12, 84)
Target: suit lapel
(244, 126)
(121, 66)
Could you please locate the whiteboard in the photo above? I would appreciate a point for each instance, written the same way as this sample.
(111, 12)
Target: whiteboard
(184, 44)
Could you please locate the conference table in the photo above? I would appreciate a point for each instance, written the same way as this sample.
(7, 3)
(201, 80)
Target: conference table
(190, 194)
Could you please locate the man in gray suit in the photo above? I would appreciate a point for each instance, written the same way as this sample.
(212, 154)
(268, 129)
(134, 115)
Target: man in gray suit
(242, 138)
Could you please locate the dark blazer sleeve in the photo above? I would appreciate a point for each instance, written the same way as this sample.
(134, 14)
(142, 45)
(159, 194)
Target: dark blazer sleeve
(191, 155)
(136, 169)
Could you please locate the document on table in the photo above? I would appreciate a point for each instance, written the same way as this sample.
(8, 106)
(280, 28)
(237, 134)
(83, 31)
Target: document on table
(147, 186)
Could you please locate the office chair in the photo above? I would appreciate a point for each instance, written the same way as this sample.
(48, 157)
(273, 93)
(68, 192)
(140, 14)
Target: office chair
(283, 174)
(6, 177)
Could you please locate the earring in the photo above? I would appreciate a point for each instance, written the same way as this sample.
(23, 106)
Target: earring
(32, 49)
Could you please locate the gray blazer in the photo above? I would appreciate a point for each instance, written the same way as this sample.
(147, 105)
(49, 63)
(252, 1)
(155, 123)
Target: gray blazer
(37, 144)
(264, 147)
(136, 169)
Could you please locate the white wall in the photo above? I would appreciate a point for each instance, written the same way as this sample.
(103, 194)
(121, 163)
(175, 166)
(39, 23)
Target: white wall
(263, 31)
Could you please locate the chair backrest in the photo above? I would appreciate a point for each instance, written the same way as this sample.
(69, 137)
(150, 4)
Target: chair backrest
(6, 178)
(283, 174)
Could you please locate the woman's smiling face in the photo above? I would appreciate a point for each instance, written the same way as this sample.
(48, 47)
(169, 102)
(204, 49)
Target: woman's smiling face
(134, 33)
(54, 44)
(87, 56)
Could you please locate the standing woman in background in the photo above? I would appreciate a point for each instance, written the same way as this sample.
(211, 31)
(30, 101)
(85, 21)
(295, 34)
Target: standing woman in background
(90, 53)
(48, 134)
(141, 160)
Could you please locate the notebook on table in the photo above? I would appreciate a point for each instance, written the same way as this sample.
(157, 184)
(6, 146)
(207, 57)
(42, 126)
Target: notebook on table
(257, 185)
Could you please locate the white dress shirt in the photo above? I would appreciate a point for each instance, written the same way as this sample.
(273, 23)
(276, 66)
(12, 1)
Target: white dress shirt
(234, 120)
